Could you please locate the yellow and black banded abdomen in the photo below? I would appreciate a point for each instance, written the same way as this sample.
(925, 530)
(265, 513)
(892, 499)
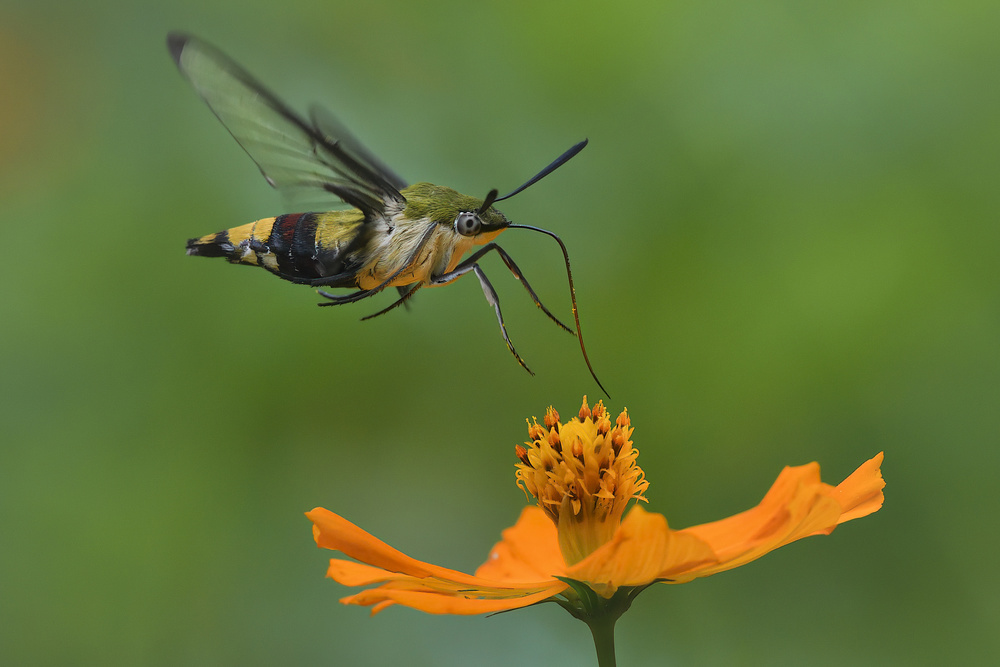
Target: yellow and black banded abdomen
(311, 248)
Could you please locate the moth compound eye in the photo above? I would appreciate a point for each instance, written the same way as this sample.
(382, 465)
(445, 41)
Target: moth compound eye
(468, 223)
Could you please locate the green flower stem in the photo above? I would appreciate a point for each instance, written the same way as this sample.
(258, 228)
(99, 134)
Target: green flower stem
(599, 613)
(603, 630)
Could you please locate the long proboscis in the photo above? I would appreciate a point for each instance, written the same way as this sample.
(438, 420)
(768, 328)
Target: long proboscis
(572, 296)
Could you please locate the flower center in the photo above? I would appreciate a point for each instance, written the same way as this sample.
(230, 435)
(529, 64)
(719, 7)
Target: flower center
(583, 474)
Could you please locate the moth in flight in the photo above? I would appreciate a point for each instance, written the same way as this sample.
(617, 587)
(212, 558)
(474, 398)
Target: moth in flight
(393, 234)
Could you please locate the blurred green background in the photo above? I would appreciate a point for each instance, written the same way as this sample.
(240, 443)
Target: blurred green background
(784, 235)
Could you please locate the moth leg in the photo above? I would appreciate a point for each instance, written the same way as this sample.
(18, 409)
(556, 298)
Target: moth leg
(403, 291)
(338, 299)
(476, 256)
(406, 294)
(491, 298)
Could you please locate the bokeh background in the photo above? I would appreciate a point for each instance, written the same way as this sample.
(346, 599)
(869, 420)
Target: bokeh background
(785, 240)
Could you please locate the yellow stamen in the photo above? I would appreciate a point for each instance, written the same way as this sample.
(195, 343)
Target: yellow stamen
(585, 487)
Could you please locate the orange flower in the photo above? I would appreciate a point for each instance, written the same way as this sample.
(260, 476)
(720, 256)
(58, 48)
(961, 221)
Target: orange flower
(575, 547)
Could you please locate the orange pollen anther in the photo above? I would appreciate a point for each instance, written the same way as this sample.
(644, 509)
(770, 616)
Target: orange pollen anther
(535, 431)
(554, 440)
(604, 425)
(522, 453)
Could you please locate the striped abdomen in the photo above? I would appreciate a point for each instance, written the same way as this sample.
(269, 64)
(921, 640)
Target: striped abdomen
(300, 247)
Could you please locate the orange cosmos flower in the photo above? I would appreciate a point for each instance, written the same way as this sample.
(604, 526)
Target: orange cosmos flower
(575, 547)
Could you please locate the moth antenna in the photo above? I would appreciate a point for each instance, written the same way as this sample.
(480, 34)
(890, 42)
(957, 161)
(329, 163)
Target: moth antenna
(491, 197)
(555, 164)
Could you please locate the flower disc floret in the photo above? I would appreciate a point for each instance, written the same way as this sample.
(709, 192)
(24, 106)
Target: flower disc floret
(583, 473)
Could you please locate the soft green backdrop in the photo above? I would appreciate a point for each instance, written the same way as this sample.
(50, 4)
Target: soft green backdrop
(785, 239)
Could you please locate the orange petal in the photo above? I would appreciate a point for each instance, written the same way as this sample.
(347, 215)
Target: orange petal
(349, 573)
(334, 532)
(643, 550)
(528, 552)
(436, 603)
(861, 494)
(797, 505)
(413, 583)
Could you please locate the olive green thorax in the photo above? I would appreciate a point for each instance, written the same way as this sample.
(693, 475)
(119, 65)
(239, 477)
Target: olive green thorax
(442, 205)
